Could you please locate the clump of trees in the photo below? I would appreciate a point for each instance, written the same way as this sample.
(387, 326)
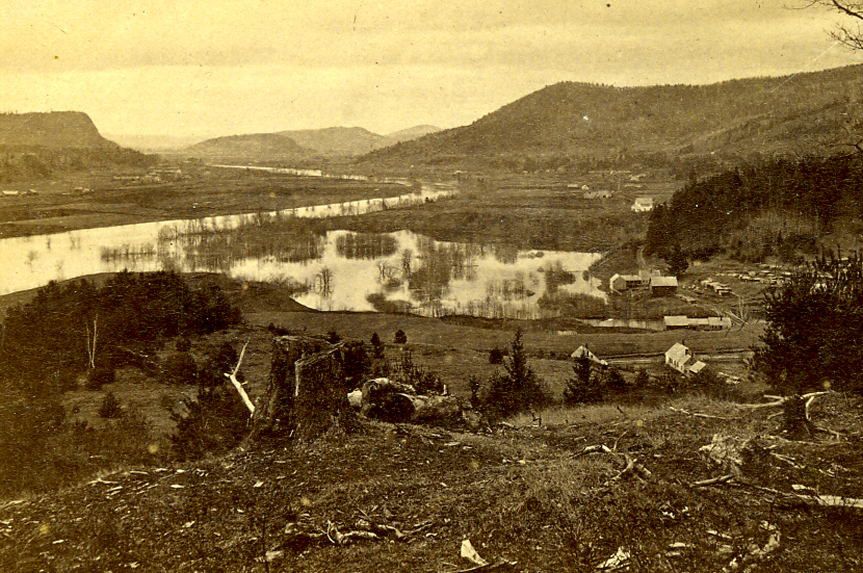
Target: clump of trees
(813, 334)
(591, 382)
(79, 327)
(815, 327)
(400, 337)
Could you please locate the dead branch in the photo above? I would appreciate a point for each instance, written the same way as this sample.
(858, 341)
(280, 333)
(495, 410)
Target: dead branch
(699, 414)
(780, 400)
(233, 378)
(713, 481)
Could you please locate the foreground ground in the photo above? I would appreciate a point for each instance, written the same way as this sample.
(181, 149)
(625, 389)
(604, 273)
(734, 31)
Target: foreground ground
(521, 493)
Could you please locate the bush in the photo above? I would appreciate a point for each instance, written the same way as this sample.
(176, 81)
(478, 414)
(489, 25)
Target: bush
(333, 337)
(377, 346)
(110, 407)
(99, 376)
(516, 390)
(495, 356)
(183, 344)
(400, 337)
(180, 368)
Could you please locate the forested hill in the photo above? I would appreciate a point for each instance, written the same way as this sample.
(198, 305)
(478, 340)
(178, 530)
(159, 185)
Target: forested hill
(40, 145)
(771, 208)
(576, 122)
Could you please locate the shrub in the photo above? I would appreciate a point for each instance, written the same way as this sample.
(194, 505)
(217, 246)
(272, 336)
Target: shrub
(333, 337)
(99, 376)
(180, 368)
(183, 344)
(400, 337)
(377, 346)
(214, 423)
(110, 407)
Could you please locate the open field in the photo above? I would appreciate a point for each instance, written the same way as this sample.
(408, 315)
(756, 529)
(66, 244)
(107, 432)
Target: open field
(205, 192)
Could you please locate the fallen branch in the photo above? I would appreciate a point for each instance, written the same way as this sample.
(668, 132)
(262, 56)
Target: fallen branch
(699, 414)
(713, 481)
(240, 390)
(780, 400)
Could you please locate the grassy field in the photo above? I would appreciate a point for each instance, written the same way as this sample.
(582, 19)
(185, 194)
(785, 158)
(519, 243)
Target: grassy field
(206, 192)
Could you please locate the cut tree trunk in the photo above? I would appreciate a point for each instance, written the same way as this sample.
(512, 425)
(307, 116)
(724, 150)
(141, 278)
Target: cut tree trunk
(795, 420)
(306, 393)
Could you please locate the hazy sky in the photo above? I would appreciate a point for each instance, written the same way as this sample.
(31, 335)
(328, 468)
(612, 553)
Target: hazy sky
(216, 67)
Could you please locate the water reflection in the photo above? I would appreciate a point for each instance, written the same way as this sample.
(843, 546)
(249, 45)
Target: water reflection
(330, 270)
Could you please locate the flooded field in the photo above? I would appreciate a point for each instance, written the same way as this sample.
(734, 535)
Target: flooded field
(327, 269)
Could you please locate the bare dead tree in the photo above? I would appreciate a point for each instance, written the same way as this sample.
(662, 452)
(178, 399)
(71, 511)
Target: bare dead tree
(849, 35)
(91, 342)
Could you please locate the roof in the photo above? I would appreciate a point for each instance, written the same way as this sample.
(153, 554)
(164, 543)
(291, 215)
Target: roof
(697, 367)
(678, 353)
(644, 200)
(583, 350)
(676, 320)
(663, 281)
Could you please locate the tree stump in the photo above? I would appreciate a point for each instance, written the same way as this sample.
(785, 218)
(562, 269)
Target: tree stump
(306, 392)
(795, 422)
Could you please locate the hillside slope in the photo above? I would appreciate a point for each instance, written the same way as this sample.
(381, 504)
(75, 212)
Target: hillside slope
(56, 129)
(41, 145)
(260, 146)
(410, 495)
(619, 124)
(338, 141)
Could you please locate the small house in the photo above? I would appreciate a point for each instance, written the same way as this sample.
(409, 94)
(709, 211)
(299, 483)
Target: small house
(663, 286)
(678, 358)
(583, 351)
(642, 204)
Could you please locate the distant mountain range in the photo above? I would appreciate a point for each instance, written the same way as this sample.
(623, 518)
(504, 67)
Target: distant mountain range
(576, 122)
(304, 144)
(41, 145)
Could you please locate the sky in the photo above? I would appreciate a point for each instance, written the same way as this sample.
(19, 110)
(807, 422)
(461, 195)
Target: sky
(221, 67)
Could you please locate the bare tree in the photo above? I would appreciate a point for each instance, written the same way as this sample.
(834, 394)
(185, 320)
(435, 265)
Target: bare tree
(850, 35)
(91, 342)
